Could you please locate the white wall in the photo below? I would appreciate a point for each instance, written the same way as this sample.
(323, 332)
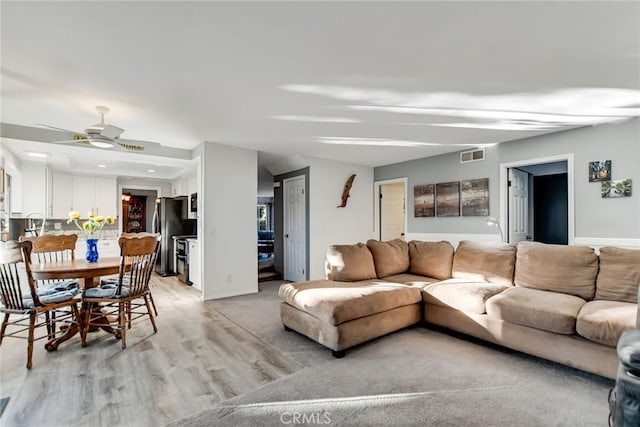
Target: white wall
(164, 185)
(329, 224)
(227, 221)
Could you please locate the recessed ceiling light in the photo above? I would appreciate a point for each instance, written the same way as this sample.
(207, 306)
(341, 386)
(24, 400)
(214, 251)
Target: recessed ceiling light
(151, 170)
(102, 166)
(37, 154)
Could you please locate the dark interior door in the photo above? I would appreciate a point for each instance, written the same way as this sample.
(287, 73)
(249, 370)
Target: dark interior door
(550, 209)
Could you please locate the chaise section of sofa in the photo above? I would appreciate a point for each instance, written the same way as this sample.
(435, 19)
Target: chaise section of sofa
(340, 315)
(353, 305)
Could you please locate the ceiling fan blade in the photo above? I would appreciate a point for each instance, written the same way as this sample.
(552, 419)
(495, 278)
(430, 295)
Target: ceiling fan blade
(64, 142)
(55, 128)
(111, 131)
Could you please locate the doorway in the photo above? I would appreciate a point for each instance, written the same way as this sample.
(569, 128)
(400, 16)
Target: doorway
(295, 229)
(391, 209)
(536, 200)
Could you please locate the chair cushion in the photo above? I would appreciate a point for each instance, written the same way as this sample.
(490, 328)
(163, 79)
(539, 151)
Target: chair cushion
(604, 321)
(410, 280)
(462, 294)
(52, 298)
(349, 263)
(431, 259)
(485, 262)
(549, 311)
(52, 288)
(336, 303)
(619, 274)
(106, 291)
(557, 268)
(390, 257)
(113, 281)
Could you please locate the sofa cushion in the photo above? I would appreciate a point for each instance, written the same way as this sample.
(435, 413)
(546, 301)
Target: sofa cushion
(431, 259)
(390, 257)
(558, 268)
(349, 263)
(462, 294)
(336, 302)
(619, 274)
(549, 311)
(604, 321)
(485, 262)
(411, 280)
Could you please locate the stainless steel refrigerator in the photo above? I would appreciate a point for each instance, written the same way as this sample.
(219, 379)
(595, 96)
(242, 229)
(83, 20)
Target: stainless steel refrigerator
(170, 219)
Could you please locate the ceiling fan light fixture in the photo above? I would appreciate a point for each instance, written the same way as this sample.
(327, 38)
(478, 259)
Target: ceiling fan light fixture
(100, 144)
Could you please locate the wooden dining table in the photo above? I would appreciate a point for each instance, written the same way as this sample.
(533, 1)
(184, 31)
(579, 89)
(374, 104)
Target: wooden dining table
(89, 274)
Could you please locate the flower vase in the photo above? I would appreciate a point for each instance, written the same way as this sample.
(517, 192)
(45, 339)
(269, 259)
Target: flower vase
(92, 250)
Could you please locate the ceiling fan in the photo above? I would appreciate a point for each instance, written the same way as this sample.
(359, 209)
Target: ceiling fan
(100, 135)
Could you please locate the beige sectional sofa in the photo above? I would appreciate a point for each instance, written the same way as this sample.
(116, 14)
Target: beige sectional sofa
(562, 303)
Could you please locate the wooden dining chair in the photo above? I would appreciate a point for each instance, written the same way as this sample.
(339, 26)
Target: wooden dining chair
(111, 280)
(50, 248)
(19, 297)
(127, 300)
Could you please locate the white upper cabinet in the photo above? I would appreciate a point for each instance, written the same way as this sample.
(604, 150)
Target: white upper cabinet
(61, 195)
(106, 197)
(84, 195)
(34, 188)
(97, 195)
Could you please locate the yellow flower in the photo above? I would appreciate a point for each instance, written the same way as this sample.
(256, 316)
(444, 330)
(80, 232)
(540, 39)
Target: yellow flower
(92, 227)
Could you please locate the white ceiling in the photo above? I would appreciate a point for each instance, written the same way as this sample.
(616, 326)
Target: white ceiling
(338, 80)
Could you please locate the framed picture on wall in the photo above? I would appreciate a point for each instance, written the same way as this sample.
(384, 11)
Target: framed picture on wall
(474, 197)
(613, 189)
(448, 199)
(424, 202)
(600, 171)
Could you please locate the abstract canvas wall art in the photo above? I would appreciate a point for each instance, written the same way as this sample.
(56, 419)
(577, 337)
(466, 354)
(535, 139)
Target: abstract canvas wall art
(474, 197)
(424, 204)
(448, 199)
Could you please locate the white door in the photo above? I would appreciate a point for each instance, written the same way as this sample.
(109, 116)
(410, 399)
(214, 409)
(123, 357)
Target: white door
(392, 211)
(295, 245)
(518, 205)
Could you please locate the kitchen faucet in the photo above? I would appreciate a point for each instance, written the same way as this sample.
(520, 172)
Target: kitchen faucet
(31, 224)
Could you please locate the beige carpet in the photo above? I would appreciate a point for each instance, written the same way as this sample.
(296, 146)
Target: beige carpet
(418, 376)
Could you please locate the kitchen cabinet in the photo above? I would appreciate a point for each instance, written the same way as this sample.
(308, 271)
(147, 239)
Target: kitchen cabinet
(61, 195)
(34, 184)
(194, 263)
(184, 185)
(97, 195)
(106, 197)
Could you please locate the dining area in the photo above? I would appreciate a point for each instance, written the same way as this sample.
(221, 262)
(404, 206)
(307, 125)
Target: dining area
(46, 293)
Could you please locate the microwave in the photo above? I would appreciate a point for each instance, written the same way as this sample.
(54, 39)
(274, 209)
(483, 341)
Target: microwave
(193, 205)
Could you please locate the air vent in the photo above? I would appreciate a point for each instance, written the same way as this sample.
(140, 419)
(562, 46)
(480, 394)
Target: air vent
(472, 155)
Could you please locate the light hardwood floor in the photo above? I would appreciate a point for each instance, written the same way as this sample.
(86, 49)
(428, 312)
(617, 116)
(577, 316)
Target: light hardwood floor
(198, 358)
